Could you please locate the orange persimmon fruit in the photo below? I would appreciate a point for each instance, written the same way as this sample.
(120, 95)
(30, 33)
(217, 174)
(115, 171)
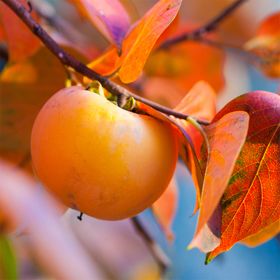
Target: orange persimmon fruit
(100, 159)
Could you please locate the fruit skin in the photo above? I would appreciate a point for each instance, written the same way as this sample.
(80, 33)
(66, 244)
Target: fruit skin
(100, 159)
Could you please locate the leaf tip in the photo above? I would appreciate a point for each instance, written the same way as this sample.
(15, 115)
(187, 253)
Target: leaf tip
(208, 258)
(189, 247)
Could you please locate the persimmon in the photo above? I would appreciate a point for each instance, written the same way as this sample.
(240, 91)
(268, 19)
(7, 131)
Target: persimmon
(100, 159)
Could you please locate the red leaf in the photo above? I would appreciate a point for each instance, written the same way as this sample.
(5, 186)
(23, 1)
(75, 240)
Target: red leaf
(251, 201)
(270, 26)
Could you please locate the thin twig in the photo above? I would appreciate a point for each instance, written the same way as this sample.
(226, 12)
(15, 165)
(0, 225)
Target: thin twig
(80, 216)
(155, 250)
(69, 60)
(251, 57)
(208, 27)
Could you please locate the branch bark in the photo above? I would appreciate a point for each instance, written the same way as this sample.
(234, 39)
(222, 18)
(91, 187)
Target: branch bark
(159, 256)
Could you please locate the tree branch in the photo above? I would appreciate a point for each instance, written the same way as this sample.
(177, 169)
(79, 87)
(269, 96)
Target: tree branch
(155, 250)
(81, 68)
(249, 56)
(208, 27)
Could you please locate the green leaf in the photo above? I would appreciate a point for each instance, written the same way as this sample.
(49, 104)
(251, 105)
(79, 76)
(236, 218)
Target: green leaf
(8, 262)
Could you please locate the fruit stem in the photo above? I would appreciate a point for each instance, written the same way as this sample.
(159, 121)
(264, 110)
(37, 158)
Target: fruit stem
(96, 87)
(70, 77)
(80, 217)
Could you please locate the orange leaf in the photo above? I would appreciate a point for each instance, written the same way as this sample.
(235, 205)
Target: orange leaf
(183, 65)
(162, 90)
(105, 64)
(139, 42)
(270, 26)
(199, 102)
(21, 42)
(226, 138)
(263, 235)
(109, 16)
(266, 45)
(251, 200)
(169, 31)
(165, 208)
(142, 38)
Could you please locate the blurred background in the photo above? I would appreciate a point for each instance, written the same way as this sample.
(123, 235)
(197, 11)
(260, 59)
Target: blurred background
(116, 249)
